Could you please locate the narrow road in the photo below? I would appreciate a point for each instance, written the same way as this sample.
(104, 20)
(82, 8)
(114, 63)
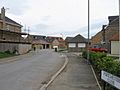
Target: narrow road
(77, 76)
(30, 71)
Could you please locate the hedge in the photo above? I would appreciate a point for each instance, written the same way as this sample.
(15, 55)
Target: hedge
(101, 61)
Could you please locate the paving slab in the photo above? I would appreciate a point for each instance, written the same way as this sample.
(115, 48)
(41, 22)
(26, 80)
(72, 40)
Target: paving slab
(77, 76)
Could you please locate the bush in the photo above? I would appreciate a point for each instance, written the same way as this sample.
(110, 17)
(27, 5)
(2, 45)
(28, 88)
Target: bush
(101, 61)
(8, 52)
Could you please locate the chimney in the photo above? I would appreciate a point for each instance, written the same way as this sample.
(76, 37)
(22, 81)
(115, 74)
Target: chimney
(3, 17)
(103, 34)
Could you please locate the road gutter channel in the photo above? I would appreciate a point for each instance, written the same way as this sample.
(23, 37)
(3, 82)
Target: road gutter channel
(55, 75)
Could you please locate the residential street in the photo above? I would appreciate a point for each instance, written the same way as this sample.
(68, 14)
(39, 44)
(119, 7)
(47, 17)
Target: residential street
(30, 71)
(77, 76)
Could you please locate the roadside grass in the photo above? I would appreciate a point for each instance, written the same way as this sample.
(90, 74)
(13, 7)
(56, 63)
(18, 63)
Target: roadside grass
(4, 55)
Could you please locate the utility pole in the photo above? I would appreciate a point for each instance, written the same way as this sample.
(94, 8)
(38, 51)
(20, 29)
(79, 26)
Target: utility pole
(28, 33)
(88, 57)
(119, 29)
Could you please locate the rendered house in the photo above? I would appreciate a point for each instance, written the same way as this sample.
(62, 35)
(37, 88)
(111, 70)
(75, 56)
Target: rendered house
(115, 44)
(11, 36)
(76, 44)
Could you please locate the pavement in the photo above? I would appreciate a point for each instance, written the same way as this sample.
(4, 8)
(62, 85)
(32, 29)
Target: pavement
(77, 75)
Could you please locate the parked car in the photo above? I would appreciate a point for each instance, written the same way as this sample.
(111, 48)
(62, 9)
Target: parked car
(98, 48)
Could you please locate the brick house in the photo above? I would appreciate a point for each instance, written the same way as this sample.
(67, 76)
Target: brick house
(97, 39)
(56, 42)
(11, 36)
(108, 31)
(76, 44)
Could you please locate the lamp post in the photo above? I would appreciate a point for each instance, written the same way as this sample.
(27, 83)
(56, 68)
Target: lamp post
(119, 29)
(88, 30)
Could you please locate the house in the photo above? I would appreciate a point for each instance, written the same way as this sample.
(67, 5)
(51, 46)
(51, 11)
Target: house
(41, 44)
(11, 36)
(47, 42)
(39, 41)
(76, 44)
(56, 42)
(111, 29)
(115, 44)
(103, 37)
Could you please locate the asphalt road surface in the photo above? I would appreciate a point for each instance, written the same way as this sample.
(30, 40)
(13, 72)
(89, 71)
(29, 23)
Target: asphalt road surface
(30, 71)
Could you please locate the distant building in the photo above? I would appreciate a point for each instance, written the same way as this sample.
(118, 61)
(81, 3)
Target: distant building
(11, 36)
(76, 44)
(39, 41)
(56, 42)
(47, 42)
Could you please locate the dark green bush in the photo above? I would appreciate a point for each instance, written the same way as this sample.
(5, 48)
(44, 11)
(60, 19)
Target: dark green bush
(101, 61)
(8, 52)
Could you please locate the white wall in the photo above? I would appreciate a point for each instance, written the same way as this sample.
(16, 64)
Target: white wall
(115, 47)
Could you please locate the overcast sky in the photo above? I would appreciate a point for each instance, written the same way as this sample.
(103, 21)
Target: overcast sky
(60, 17)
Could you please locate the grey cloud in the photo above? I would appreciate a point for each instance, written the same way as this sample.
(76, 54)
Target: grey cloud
(94, 28)
(16, 7)
(40, 28)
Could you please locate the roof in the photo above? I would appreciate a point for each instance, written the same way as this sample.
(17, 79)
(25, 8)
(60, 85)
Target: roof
(115, 37)
(40, 42)
(113, 20)
(78, 38)
(38, 37)
(11, 21)
(68, 39)
(51, 39)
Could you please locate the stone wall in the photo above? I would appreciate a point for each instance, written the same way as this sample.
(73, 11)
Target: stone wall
(24, 48)
(21, 48)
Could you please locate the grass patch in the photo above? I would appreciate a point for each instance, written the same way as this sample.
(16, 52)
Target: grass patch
(5, 54)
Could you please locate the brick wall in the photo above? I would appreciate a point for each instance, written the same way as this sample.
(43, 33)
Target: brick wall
(97, 38)
(110, 32)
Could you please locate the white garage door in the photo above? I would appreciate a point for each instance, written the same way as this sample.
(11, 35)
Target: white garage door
(82, 45)
(72, 45)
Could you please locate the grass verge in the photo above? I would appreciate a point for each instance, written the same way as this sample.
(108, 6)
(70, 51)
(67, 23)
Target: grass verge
(4, 55)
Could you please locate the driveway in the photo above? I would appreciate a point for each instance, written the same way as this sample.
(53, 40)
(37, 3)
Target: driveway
(30, 71)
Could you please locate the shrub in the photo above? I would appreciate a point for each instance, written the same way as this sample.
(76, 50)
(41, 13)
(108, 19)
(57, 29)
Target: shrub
(101, 61)
(8, 52)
